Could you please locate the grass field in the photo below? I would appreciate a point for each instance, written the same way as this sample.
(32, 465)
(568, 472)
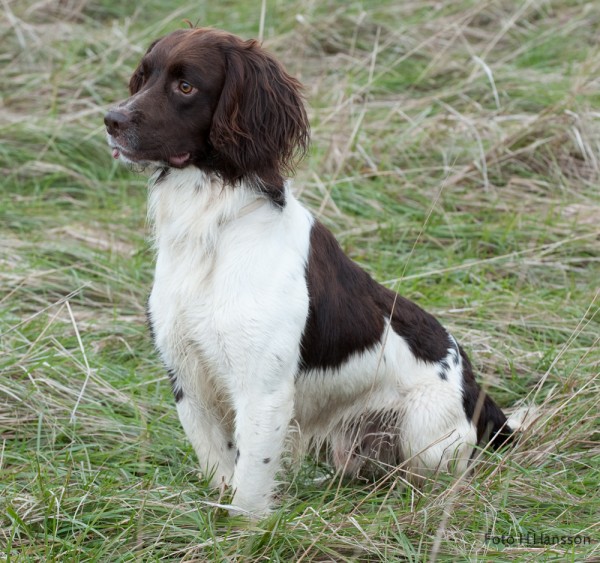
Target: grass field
(455, 155)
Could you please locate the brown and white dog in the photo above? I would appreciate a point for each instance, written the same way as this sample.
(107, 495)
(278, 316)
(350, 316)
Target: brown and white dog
(263, 323)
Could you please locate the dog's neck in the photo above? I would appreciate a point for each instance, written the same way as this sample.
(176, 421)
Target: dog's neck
(190, 206)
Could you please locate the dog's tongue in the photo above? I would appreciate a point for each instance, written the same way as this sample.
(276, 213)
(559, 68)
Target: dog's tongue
(180, 159)
(115, 153)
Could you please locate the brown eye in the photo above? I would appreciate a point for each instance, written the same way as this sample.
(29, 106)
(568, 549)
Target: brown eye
(185, 87)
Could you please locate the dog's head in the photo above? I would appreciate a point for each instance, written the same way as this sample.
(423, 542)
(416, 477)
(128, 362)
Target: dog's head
(206, 98)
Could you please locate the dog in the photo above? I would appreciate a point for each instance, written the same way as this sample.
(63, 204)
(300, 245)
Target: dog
(266, 328)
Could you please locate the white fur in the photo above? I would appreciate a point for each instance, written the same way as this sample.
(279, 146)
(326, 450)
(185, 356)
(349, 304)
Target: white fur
(435, 433)
(522, 418)
(229, 305)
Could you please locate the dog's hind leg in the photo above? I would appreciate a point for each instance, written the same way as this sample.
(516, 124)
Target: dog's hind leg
(435, 434)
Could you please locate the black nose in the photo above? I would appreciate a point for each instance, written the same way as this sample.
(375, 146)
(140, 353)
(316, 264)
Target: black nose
(117, 121)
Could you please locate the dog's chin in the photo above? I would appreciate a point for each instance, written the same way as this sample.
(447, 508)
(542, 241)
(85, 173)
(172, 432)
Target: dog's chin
(138, 163)
(135, 165)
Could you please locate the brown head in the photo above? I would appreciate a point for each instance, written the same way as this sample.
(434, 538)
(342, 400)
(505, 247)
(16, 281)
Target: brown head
(206, 98)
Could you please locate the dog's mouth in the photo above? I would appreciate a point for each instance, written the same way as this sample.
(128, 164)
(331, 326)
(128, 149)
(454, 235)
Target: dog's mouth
(177, 161)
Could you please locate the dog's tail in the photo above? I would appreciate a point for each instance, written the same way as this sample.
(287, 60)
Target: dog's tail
(492, 425)
(522, 417)
(497, 429)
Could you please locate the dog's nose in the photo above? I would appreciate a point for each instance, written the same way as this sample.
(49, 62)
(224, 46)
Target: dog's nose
(117, 121)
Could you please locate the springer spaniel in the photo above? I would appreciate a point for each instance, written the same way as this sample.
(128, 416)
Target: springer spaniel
(265, 327)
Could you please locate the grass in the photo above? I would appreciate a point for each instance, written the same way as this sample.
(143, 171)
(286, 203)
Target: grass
(456, 155)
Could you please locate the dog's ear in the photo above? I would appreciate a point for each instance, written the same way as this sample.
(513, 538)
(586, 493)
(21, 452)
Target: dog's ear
(259, 127)
(137, 78)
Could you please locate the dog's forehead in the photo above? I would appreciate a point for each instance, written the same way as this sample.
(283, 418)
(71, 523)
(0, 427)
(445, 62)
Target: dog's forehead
(191, 43)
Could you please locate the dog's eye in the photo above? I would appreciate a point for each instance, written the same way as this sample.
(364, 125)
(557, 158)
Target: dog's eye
(185, 87)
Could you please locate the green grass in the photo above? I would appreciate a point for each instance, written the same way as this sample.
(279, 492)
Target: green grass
(456, 156)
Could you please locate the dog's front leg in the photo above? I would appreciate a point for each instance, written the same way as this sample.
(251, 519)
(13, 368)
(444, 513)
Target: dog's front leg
(211, 442)
(263, 414)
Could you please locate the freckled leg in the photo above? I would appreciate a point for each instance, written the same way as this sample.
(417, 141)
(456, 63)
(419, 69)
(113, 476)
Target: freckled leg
(262, 421)
(214, 448)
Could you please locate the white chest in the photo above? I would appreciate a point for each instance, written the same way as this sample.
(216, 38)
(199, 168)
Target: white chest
(229, 288)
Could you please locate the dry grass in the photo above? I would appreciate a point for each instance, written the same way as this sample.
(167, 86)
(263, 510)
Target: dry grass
(456, 154)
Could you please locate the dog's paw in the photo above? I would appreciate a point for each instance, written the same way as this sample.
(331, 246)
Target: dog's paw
(252, 508)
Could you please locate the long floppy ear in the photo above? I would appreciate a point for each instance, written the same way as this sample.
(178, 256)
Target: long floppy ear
(137, 78)
(259, 128)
